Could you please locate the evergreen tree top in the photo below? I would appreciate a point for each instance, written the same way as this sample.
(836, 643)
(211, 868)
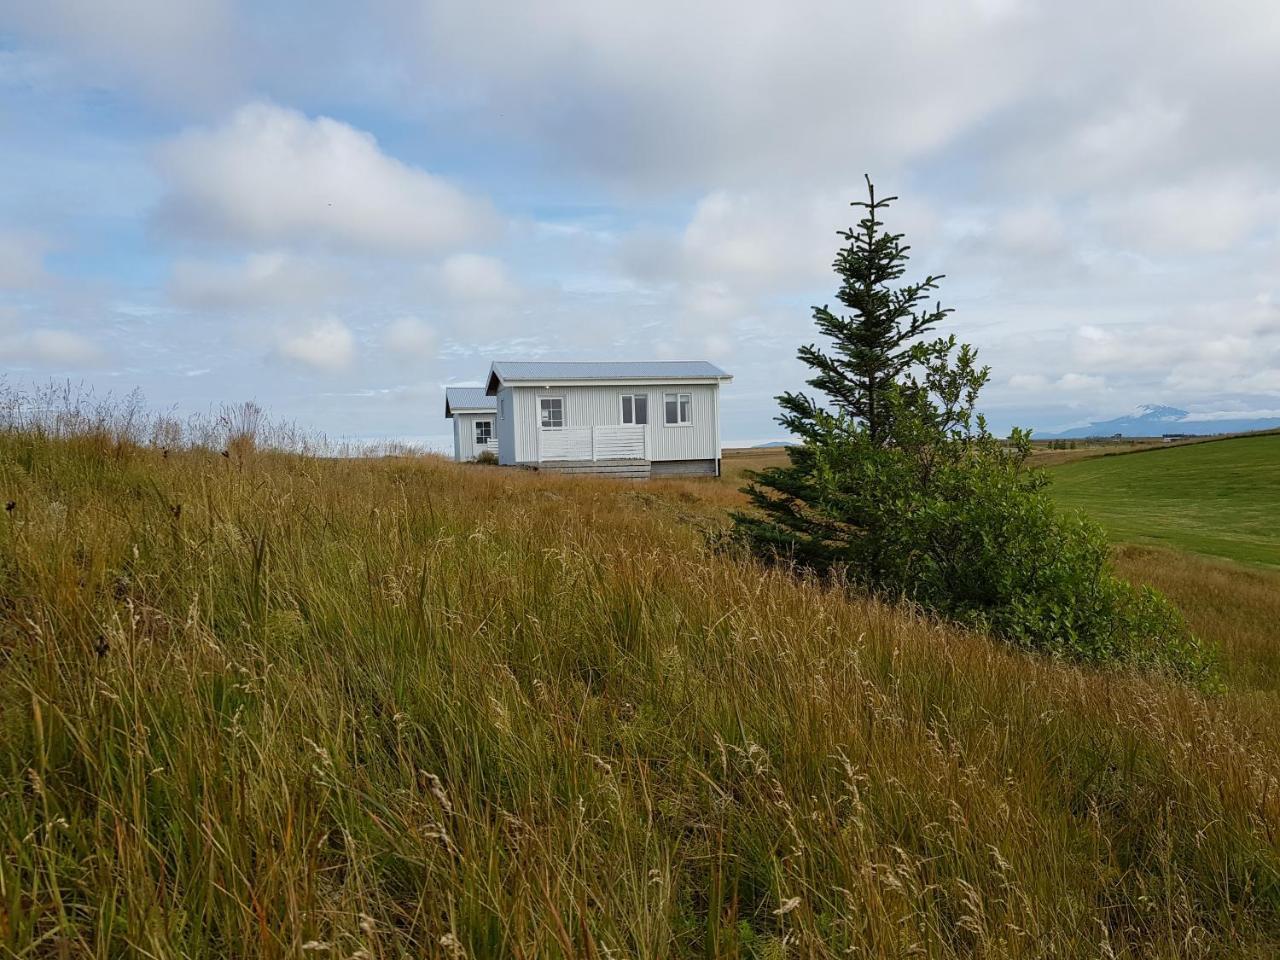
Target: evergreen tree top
(874, 342)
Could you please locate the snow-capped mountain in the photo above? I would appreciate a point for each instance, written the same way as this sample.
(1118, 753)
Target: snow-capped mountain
(1153, 420)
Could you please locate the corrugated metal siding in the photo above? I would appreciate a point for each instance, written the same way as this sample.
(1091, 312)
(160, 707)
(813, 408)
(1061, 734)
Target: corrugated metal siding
(696, 442)
(464, 436)
(524, 421)
(506, 428)
(601, 406)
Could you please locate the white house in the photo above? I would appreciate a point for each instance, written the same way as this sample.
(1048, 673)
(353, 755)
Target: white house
(472, 412)
(652, 418)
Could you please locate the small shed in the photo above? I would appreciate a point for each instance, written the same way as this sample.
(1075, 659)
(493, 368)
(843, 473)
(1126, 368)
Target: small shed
(472, 412)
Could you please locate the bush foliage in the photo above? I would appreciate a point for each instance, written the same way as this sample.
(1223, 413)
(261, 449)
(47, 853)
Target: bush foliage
(899, 486)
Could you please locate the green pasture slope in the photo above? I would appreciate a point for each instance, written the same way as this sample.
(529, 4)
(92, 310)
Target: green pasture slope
(1220, 498)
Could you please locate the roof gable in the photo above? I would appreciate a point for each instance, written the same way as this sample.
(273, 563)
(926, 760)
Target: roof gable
(558, 371)
(467, 400)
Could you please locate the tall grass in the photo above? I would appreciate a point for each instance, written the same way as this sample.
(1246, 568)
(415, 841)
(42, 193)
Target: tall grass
(1234, 604)
(274, 705)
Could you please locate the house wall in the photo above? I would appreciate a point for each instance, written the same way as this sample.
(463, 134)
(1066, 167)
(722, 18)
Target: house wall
(464, 436)
(505, 428)
(602, 406)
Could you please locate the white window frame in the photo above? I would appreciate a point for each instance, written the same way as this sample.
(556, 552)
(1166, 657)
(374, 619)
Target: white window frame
(622, 409)
(564, 413)
(475, 433)
(677, 422)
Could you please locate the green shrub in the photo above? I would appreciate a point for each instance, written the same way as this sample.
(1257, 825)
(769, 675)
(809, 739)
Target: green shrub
(898, 486)
(973, 536)
(487, 457)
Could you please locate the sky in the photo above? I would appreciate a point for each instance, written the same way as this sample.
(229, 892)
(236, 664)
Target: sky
(337, 210)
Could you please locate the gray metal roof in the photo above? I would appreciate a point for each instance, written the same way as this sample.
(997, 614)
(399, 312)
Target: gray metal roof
(547, 371)
(467, 398)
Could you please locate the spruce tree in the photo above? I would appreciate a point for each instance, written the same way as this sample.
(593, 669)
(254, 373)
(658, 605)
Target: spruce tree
(871, 346)
(897, 485)
(883, 386)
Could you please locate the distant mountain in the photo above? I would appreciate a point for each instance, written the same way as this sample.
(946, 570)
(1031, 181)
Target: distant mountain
(1154, 421)
(773, 443)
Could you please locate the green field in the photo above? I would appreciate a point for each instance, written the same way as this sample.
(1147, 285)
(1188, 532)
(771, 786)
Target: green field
(1220, 498)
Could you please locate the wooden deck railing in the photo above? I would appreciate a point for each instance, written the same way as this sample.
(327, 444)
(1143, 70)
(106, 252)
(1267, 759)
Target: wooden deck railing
(618, 442)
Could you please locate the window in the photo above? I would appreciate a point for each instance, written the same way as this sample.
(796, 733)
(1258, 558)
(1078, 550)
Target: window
(552, 411)
(484, 431)
(635, 408)
(678, 409)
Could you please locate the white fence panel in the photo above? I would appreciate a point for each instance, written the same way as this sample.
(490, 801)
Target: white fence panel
(620, 442)
(564, 443)
(626, 442)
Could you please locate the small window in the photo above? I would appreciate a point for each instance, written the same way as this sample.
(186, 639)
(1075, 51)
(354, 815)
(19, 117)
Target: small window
(484, 431)
(552, 410)
(635, 408)
(678, 409)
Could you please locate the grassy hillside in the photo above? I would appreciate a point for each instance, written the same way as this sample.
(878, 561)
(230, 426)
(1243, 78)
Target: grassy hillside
(1220, 498)
(1234, 606)
(265, 705)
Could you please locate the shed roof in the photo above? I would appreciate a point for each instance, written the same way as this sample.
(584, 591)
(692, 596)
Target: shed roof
(467, 399)
(557, 371)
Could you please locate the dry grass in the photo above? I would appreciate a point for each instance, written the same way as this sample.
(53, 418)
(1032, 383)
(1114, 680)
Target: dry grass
(735, 463)
(1235, 605)
(268, 705)
(1044, 456)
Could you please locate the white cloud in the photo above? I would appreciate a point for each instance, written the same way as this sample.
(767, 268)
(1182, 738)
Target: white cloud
(1206, 350)
(471, 278)
(1028, 381)
(1121, 139)
(272, 176)
(739, 250)
(1035, 228)
(261, 279)
(717, 346)
(410, 338)
(672, 92)
(327, 345)
(169, 51)
(1245, 413)
(712, 301)
(1080, 382)
(21, 260)
(1204, 215)
(763, 241)
(49, 347)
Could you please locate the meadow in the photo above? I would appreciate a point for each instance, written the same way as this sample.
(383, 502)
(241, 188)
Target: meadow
(261, 704)
(1218, 497)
